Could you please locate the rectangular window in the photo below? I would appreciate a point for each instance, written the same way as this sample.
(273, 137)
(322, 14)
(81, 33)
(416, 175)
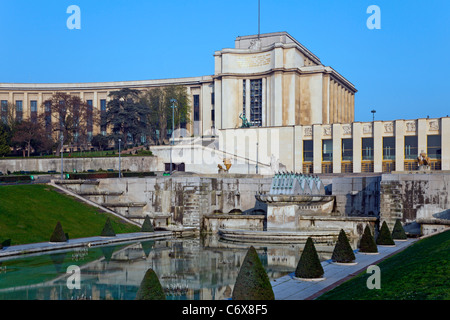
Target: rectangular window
(33, 106)
(48, 106)
(19, 105)
(434, 150)
(19, 110)
(244, 96)
(103, 105)
(196, 107)
(327, 150)
(4, 111)
(4, 104)
(347, 149)
(367, 148)
(213, 116)
(33, 110)
(388, 148)
(308, 152)
(48, 115)
(256, 102)
(212, 98)
(411, 148)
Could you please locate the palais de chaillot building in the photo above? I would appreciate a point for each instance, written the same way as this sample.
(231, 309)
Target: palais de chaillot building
(270, 97)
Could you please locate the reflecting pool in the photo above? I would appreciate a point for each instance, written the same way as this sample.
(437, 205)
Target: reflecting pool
(188, 269)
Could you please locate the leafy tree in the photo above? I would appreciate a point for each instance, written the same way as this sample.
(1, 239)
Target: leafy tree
(252, 282)
(150, 288)
(343, 252)
(126, 116)
(398, 232)
(159, 120)
(367, 243)
(384, 236)
(4, 145)
(309, 266)
(100, 141)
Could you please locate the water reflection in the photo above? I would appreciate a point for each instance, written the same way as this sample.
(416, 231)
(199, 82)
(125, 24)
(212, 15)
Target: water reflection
(188, 269)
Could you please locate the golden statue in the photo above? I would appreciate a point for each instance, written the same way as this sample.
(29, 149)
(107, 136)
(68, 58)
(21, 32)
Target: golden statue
(423, 159)
(227, 164)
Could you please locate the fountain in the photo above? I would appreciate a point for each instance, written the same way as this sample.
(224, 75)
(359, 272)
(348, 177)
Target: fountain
(297, 208)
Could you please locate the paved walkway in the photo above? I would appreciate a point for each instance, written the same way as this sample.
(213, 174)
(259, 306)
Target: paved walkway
(82, 242)
(288, 288)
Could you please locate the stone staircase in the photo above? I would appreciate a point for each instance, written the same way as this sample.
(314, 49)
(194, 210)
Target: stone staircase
(195, 202)
(391, 208)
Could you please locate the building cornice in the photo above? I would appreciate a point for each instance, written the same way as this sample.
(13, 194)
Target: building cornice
(300, 71)
(107, 86)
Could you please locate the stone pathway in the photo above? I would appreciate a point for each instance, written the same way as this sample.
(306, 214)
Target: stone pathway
(82, 242)
(288, 288)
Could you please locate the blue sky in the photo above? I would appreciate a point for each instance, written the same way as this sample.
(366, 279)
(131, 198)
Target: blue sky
(400, 70)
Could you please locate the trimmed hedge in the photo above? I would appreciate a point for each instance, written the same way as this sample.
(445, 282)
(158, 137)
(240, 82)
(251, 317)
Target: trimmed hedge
(398, 232)
(343, 252)
(108, 230)
(309, 266)
(13, 178)
(367, 243)
(150, 288)
(147, 226)
(105, 175)
(58, 234)
(384, 236)
(252, 282)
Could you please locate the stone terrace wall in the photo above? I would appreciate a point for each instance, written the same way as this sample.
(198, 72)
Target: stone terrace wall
(184, 199)
(414, 196)
(134, 164)
(357, 195)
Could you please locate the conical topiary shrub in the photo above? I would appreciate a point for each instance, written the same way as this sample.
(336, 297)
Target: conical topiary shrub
(384, 236)
(398, 233)
(108, 230)
(58, 234)
(147, 226)
(367, 243)
(343, 252)
(252, 282)
(309, 266)
(150, 288)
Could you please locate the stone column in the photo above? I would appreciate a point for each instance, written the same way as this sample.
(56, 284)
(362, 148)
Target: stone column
(421, 135)
(445, 143)
(218, 103)
(337, 148)
(377, 133)
(247, 99)
(298, 147)
(399, 129)
(317, 148)
(263, 103)
(357, 152)
(25, 107)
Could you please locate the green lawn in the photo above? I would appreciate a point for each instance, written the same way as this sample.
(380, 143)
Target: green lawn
(29, 213)
(420, 272)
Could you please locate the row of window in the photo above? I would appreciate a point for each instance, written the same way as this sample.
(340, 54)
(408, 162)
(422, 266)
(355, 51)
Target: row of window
(33, 105)
(411, 149)
(368, 166)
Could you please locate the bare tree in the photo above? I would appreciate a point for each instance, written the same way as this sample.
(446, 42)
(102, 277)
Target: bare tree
(69, 117)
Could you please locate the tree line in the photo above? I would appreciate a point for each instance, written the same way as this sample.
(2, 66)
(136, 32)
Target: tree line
(137, 117)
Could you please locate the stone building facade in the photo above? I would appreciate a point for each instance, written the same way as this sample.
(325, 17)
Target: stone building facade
(300, 112)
